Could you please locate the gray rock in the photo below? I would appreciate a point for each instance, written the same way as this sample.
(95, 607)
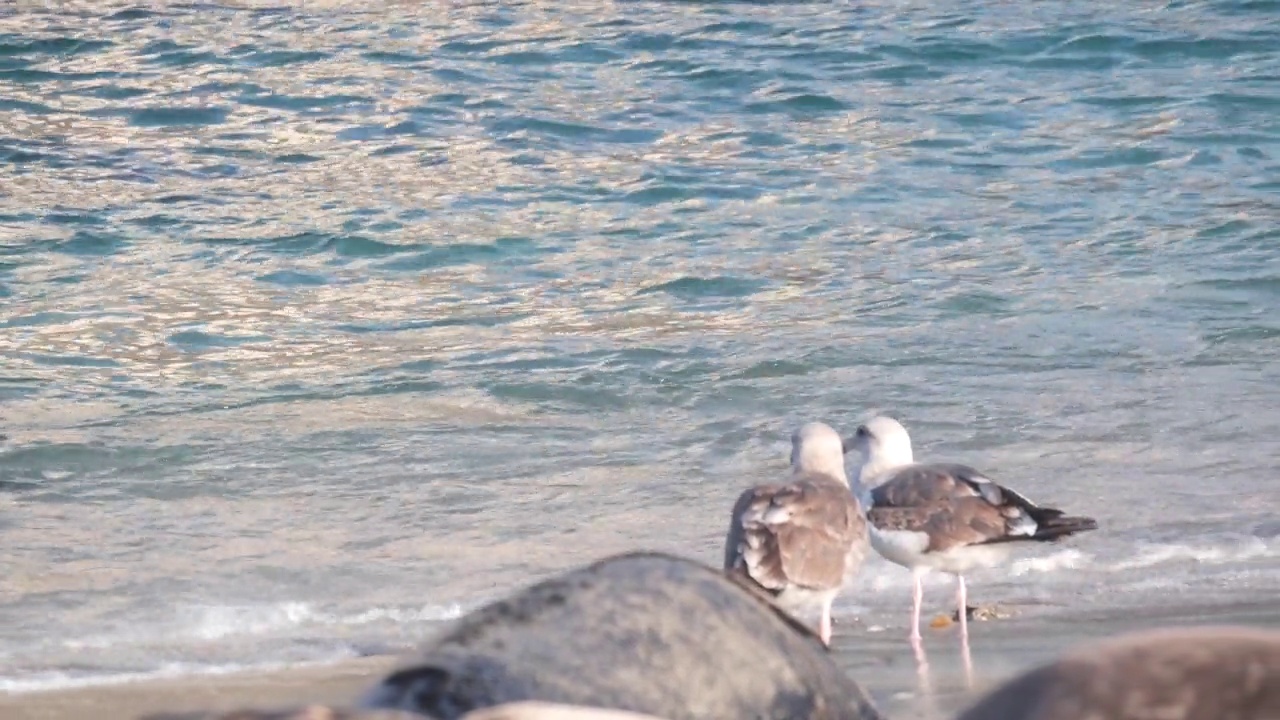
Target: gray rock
(533, 710)
(1202, 673)
(309, 712)
(647, 633)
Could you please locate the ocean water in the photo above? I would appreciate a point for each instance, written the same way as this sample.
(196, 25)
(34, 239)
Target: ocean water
(323, 322)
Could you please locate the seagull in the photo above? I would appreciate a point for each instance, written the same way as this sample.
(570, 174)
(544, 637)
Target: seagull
(943, 516)
(801, 540)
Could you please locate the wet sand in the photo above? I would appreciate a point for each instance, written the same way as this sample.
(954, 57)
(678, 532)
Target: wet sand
(1001, 649)
(335, 684)
(881, 661)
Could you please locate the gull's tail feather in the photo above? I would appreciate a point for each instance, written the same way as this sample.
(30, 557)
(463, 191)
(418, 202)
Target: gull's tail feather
(1052, 525)
(1046, 525)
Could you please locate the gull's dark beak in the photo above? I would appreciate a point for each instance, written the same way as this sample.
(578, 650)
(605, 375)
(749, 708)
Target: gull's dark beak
(852, 443)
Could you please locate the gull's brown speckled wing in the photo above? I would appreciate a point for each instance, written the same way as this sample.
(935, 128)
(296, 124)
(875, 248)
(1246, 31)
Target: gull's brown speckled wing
(955, 505)
(952, 522)
(797, 533)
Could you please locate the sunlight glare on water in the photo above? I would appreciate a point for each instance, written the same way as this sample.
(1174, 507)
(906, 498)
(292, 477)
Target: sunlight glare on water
(323, 322)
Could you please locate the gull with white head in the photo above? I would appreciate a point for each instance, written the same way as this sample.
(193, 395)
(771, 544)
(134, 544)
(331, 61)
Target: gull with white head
(801, 540)
(943, 516)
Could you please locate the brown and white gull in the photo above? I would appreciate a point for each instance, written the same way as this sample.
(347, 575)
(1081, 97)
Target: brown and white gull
(943, 516)
(801, 540)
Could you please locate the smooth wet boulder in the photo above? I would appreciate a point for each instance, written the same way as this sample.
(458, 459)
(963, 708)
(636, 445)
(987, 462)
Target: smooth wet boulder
(529, 710)
(1201, 673)
(533, 710)
(647, 633)
(309, 712)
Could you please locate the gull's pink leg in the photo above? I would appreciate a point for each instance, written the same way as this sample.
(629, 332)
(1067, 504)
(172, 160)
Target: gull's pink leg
(961, 599)
(922, 660)
(824, 627)
(917, 598)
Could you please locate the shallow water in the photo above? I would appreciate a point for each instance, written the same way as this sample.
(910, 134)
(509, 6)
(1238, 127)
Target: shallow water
(321, 324)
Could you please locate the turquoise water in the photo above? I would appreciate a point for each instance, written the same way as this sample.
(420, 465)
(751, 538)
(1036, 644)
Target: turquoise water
(321, 324)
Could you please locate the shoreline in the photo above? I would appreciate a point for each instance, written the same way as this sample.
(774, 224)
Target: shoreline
(337, 683)
(880, 661)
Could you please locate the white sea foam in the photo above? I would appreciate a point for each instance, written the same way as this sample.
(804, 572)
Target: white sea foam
(217, 622)
(1070, 559)
(1152, 554)
(213, 626)
(204, 631)
(60, 680)
(220, 622)
(881, 577)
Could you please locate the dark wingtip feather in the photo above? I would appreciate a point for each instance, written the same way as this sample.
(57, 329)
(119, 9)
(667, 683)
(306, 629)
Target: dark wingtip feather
(1051, 527)
(1060, 527)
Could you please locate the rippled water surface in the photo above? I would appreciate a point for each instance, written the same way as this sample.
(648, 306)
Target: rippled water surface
(321, 323)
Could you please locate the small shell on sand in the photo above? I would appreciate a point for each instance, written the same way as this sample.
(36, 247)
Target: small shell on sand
(978, 612)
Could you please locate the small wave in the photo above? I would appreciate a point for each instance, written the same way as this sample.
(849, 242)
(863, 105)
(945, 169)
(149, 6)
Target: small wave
(1065, 559)
(61, 680)
(1142, 555)
(1153, 554)
(218, 622)
(889, 578)
(883, 577)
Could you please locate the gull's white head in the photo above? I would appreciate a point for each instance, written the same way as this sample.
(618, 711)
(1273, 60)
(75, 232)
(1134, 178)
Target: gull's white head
(883, 443)
(817, 447)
